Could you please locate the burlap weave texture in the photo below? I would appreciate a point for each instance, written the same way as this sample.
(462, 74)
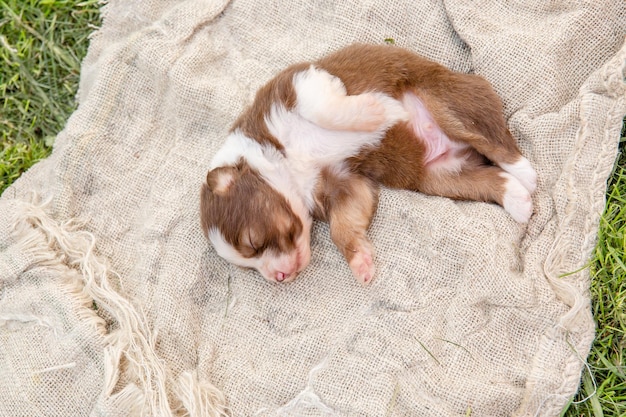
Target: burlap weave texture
(112, 302)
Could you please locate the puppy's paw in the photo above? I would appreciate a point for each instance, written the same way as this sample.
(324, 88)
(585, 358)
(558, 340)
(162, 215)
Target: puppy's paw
(362, 263)
(517, 200)
(368, 111)
(394, 110)
(374, 111)
(524, 172)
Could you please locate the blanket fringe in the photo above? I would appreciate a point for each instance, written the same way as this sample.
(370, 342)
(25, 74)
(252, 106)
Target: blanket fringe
(200, 397)
(62, 245)
(558, 260)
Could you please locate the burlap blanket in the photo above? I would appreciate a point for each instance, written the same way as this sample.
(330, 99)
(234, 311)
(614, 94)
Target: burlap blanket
(113, 303)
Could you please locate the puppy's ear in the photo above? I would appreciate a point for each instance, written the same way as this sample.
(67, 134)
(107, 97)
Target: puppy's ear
(220, 179)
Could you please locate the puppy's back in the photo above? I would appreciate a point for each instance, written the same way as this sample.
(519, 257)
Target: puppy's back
(383, 68)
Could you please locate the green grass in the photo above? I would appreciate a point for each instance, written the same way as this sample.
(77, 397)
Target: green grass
(17, 157)
(41, 46)
(42, 43)
(607, 360)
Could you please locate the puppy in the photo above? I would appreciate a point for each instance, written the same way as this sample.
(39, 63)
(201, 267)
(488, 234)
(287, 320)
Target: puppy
(320, 138)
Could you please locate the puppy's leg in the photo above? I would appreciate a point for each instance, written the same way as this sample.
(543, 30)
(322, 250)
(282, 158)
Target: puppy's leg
(482, 183)
(509, 158)
(523, 171)
(482, 126)
(349, 219)
(322, 99)
(348, 204)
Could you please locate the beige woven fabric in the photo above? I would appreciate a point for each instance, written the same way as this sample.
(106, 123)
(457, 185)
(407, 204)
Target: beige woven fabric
(113, 303)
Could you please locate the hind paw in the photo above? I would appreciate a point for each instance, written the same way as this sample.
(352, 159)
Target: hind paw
(524, 172)
(517, 200)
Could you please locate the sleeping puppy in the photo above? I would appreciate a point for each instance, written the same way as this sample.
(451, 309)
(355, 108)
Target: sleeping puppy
(320, 138)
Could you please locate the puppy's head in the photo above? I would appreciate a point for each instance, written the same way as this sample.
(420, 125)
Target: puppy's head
(252, 225)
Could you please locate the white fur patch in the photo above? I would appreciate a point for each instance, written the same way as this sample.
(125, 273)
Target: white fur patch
(309, 148)
(312, 147)
(226, 251)
(517, 200)
(224, 180)
(322, 99)
(314, 89)
(268, 161)
(524, 172)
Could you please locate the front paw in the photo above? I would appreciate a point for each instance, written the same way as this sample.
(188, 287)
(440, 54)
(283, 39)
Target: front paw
(362, 263)
(375, 111)
(369, 113)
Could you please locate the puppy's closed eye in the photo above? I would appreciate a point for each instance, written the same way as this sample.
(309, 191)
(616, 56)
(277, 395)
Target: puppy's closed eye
(248, 251)
(251, 244)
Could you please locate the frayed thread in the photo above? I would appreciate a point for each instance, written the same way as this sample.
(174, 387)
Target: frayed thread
(88, 281)
(307, 398)
(56, 368)
(11, 320)
(200, 397)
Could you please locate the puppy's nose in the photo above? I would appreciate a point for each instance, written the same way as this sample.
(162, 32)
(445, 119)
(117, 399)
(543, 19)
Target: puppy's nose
(285, 276)
(281, 276)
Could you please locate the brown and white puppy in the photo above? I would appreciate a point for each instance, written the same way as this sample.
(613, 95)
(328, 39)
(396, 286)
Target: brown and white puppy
(321, 137)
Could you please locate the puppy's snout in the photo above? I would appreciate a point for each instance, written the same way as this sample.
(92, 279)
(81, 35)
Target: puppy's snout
(287, 274)
(281, 276)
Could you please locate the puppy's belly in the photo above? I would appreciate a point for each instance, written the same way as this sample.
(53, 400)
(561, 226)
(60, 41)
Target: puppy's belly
(441, 153)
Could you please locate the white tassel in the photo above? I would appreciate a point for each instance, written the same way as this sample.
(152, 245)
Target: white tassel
(133, 339)
(200, 398)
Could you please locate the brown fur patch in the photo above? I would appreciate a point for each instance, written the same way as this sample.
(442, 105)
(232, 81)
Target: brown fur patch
(278, 90)
(250, 214)
(476, 182)
(465, 106)
(348, 202)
